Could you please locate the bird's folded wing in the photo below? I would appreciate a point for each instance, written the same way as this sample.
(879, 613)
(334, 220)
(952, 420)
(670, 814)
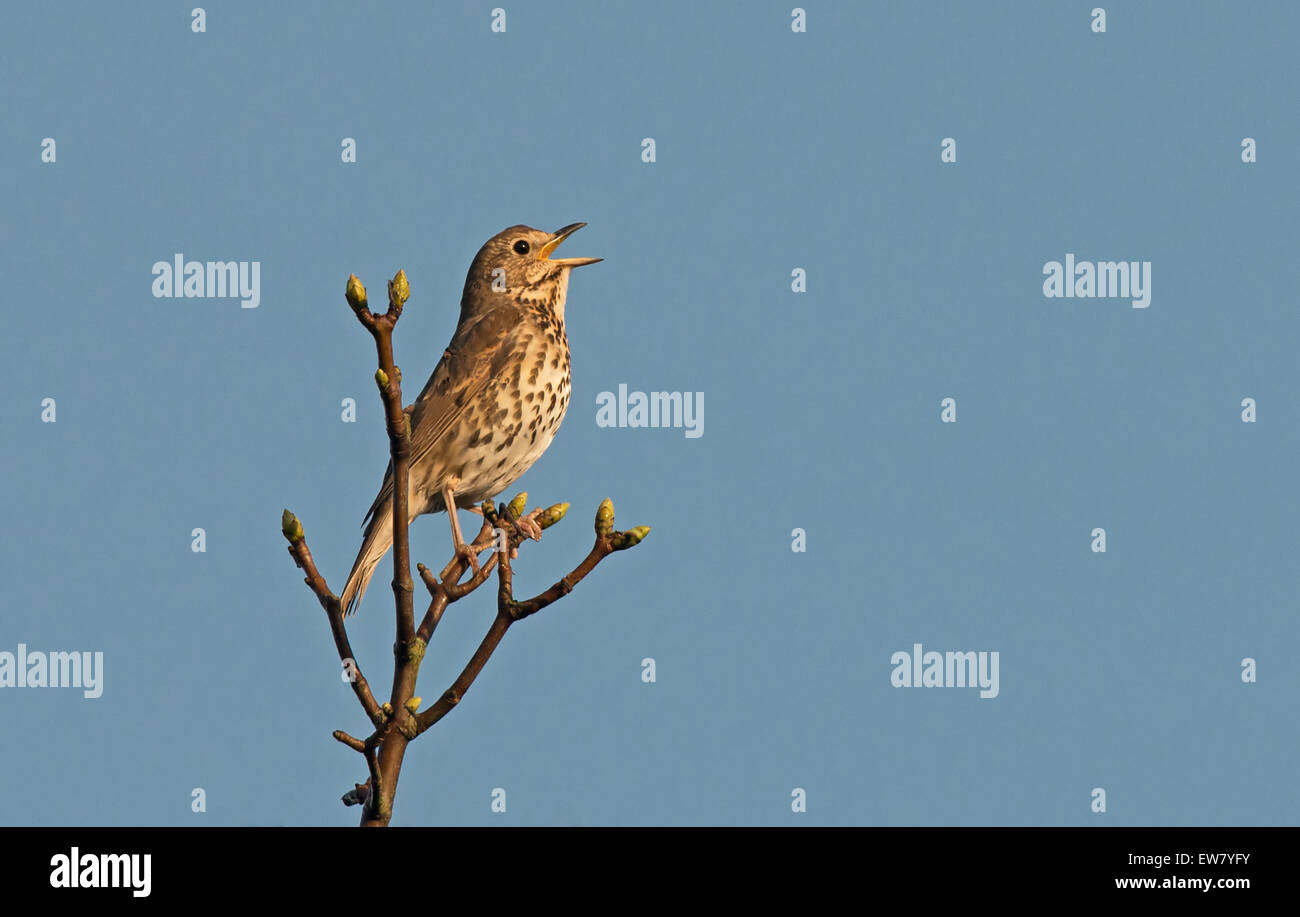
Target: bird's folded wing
(477, 354)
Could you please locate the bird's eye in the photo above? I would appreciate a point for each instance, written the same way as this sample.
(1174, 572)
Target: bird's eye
(522, 246)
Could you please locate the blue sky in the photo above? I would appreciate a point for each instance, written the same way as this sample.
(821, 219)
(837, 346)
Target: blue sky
(774, 151)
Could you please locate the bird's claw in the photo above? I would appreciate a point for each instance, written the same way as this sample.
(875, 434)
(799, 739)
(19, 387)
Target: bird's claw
(528, 525)
(468, 555)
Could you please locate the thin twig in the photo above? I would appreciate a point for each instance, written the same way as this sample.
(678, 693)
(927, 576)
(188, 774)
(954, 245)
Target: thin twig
(302, 557)
(389, 379)
(508, 612)
(350, 741)
(376, 801)
(599, 551)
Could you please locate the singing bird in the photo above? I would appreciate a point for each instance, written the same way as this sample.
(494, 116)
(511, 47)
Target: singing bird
(495, 399)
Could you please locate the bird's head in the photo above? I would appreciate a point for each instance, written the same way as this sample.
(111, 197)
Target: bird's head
(517, 263)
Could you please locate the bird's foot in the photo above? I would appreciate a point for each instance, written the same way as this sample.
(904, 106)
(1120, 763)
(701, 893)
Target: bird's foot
(468, 555)
(528, 525)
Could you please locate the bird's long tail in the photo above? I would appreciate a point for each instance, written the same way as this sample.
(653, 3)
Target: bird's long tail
(378, 539)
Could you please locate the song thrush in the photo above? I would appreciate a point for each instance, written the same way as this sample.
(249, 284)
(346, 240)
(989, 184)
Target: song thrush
(496, 398)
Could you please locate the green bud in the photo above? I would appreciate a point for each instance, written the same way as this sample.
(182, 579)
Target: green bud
(631, 538)
(356, 294)
(398, 289)
(552, 515)
(519, 504)
(413, 705)
(291, 527)
(605, 517)
(381, 380)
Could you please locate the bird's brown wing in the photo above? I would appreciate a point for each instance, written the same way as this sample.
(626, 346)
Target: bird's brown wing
(477, 354)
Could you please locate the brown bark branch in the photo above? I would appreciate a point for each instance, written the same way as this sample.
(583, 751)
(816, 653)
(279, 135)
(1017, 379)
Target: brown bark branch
(350, 741)
(379, 806)
(408, 649)
(329, 601)
(449, 589)
(453, 695)
(389, 379)
(599, 551)
(508, 612)
(394, 723)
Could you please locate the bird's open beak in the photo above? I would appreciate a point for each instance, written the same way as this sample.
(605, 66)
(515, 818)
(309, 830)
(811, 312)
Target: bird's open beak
(559, 237)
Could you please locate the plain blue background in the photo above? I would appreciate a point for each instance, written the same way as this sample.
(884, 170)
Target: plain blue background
(775, 150)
